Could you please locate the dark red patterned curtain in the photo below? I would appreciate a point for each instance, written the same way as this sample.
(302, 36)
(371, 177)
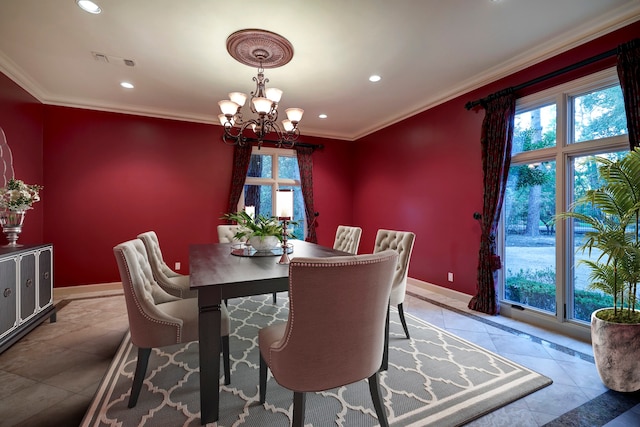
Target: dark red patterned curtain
(629, 75)
(305, 164)
(241, 159)
(497, 134)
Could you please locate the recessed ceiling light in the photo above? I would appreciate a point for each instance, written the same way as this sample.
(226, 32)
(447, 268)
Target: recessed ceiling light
(126, 85)
(375, 78)
(323, 116)
(89, 6)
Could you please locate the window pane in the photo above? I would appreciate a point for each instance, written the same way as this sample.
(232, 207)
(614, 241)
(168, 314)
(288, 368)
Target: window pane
(260, 197)
(260, 166)
(599, 114)
(585, 177)
(530, 247)
(288, 168)
(534, 129)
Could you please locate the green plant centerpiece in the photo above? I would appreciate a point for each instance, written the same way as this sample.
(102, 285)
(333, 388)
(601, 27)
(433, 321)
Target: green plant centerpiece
(613, 232)
(261, 232)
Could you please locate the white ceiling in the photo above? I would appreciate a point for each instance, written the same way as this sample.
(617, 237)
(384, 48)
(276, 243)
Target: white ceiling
(427, 51)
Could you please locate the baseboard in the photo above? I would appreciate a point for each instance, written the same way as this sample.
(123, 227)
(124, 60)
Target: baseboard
(449, 293)
(82, 291)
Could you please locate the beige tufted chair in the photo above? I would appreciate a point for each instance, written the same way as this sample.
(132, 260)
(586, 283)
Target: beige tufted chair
(402, 243)
(172, 282)
(226, 233)
(156, 318)
(313, 350)
(347, 239)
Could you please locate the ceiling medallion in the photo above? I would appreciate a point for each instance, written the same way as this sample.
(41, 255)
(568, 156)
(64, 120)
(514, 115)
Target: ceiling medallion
(261, 49)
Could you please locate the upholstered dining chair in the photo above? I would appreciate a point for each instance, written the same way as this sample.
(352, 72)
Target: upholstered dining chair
(335, 332)
(402, 243)
(227, 232)
(156, 318)
(347, 239)
(174, 283)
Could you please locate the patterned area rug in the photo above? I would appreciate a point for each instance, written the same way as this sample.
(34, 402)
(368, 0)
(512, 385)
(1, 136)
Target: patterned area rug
(434, 379)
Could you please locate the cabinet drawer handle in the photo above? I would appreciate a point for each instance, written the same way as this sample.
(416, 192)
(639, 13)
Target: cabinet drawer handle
(7, 292)
(46, 275)
(28, 283)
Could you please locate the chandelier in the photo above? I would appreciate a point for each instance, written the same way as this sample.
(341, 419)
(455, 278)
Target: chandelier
(263, 49)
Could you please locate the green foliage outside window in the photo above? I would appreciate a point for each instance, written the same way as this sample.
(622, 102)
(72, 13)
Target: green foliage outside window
(530, 205)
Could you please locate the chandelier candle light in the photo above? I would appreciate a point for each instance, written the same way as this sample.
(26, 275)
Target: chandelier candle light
(263, 49)
(284, 209)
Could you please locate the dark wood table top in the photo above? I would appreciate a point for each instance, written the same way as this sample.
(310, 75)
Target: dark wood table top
(213, 264)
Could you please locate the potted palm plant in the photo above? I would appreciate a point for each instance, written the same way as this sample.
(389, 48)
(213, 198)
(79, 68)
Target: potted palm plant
(615, 331)
(262, 232)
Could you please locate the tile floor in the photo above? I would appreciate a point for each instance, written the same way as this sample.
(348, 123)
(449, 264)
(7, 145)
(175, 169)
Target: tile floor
(48, 378)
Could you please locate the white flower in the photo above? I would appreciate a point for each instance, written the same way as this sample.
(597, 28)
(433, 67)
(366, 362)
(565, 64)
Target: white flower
(18, 196)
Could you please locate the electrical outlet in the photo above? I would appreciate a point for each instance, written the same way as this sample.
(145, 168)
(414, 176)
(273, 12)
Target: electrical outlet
(178, 266)
(450, 276)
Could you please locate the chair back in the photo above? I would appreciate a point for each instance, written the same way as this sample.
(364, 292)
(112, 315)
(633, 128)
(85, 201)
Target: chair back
(347, 239)
(159, 268)
(402, 243)
(149, 325)
(226, 233)
(336, 327)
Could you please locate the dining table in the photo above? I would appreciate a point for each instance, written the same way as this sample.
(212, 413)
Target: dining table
(219, 271)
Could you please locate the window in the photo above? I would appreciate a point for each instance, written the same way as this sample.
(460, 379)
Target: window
(271, 169)
(557, 134)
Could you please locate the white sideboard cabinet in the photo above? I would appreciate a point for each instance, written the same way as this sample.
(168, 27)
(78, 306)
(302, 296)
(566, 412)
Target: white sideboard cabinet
(26, 291)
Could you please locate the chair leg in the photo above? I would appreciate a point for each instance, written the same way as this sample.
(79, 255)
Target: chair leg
(404, 322)
(225, 359)
(385, 351)
(299, 399)
(376, 396)
(138, 377)
(263, 379)
(275, 298)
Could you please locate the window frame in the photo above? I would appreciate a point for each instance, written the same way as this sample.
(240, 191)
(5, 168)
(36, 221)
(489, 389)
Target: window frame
(563, 153)
(275, 182)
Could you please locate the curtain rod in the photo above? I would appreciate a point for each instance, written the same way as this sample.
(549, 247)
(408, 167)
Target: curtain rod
(274, 142)
(469, 105)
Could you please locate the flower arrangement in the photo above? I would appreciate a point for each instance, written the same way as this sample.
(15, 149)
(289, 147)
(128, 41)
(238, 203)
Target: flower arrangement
(18, 196)
(261, 226)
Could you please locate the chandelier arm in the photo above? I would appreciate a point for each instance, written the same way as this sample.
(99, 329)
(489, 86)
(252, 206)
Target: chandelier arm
(249, 49)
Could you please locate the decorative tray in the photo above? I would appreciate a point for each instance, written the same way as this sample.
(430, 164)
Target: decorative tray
(241, 249)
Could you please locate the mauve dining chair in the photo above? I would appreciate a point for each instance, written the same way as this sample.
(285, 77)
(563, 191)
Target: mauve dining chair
(335, 332)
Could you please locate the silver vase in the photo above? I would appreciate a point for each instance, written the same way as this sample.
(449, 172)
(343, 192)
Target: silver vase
(11, 222)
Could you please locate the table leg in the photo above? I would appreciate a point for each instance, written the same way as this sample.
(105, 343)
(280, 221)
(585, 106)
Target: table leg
(209, 333)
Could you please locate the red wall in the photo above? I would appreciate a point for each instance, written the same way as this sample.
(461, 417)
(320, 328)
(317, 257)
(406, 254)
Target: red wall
(21, 120)
(424, 174)
(110, 176)
(333, 186)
